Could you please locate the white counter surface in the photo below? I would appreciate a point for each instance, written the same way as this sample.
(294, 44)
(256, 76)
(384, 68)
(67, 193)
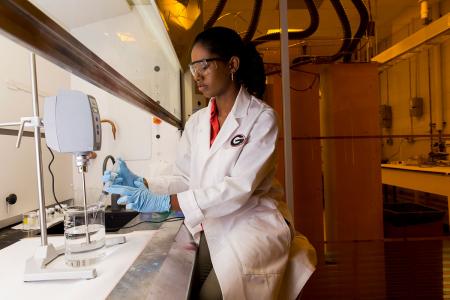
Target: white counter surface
(110, 270)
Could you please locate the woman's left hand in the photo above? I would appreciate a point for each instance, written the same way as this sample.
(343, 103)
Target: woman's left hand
(140, 198)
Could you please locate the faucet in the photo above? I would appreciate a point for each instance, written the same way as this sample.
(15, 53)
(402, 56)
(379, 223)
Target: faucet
(114, 197)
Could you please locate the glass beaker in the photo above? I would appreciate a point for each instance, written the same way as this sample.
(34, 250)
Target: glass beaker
(29, 220)
(84, 243)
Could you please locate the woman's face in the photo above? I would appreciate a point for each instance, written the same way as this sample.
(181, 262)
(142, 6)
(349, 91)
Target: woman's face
(213, 77)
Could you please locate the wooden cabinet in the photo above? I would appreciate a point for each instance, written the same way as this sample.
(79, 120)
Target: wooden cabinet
(306, 157)
(336, 155)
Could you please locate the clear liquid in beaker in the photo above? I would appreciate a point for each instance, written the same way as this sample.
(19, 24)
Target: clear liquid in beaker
(83, 249)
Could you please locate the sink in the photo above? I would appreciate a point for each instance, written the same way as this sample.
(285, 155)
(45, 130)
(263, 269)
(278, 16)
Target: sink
(114, 220)
(58, 228)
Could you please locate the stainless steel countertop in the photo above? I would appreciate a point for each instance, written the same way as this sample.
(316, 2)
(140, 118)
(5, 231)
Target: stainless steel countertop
(162, 271)
(164, 268)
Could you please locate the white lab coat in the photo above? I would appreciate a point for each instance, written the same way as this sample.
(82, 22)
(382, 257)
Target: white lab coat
(228, 189)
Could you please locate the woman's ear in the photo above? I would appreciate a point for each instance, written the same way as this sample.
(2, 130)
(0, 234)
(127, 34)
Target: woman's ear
(234, 64)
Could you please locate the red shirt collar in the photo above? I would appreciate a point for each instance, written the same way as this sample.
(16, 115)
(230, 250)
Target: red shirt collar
(214, 120)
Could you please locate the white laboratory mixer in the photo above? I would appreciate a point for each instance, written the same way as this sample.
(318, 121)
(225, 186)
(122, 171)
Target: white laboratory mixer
(72, 125)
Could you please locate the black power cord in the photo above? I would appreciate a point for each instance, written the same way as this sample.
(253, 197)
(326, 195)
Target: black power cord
(308, 88)
(316, 77)
(53, 176)
(174, 219)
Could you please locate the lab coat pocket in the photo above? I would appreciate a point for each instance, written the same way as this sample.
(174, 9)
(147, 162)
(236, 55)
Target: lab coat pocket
(230, 149)
(229, 155)
(261, 243)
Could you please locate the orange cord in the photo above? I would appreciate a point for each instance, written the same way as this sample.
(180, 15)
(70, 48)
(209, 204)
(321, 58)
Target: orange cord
(113, 126)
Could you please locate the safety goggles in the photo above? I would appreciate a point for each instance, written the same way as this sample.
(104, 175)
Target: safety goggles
(204, 66)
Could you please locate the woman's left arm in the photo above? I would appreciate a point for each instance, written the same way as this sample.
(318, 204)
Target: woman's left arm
(178, 181)
(255, 163)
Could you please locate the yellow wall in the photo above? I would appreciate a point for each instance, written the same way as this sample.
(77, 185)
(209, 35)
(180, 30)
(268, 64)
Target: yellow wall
(409, 79)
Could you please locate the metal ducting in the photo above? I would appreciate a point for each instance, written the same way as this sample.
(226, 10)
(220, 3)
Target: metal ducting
(346, 40)
(364, 22)
(257, 6)
(296, 4)
(313, 25)
(216, 13)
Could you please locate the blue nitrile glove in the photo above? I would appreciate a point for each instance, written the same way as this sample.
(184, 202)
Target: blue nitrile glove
(140, 198)
(109, 178)
(121, 176)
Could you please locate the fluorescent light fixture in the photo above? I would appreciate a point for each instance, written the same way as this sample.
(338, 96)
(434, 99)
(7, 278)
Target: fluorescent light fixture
(278, 30)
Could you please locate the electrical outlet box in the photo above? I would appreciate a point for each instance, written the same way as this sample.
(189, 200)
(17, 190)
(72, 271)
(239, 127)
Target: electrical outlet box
(416, 107)
(386, 116)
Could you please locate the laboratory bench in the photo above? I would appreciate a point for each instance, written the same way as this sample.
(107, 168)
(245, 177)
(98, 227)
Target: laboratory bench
(434, 180)
(163, 270)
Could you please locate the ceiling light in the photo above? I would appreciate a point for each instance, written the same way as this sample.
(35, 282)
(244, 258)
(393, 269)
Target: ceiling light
(126, 37)
(278, 30)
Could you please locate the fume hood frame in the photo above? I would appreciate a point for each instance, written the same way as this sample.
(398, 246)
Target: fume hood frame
(25, 24)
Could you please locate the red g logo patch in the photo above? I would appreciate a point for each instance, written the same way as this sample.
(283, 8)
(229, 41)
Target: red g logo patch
(237, 140)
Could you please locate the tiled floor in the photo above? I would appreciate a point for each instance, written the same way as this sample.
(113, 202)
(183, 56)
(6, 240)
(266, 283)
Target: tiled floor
(395, 269)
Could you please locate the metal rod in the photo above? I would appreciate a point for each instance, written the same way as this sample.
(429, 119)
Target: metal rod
(38, 152)
(10, 124)
(14, 132)
(285, 83)
(19, 135)
(411, 119)
(430, 100)
(88, 240)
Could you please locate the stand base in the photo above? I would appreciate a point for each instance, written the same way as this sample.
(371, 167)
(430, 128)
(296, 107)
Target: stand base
(112, 241)
(35, 267)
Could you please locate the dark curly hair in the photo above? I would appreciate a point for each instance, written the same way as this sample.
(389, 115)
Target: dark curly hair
(225, 43)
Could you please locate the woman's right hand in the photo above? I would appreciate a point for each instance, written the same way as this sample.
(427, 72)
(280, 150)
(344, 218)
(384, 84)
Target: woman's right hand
(122, 176)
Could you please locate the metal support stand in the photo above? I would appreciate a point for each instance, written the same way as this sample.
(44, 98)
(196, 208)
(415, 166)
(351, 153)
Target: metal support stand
(35, 268)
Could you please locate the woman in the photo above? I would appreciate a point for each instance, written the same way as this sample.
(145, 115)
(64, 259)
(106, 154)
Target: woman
(223, 180)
